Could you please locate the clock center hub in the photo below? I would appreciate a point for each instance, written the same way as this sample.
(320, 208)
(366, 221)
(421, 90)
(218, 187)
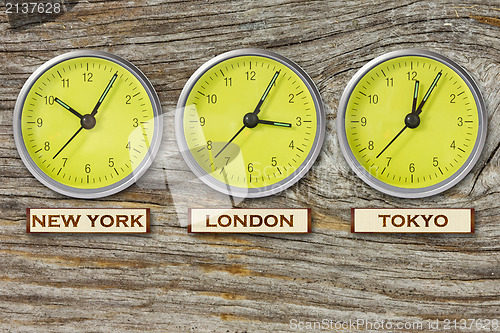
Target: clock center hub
(88, 121)
(412, 120)
(250, 120)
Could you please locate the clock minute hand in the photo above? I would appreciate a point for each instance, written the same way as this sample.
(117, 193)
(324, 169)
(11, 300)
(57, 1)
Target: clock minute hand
(426, 96)
(412, 119)
(266, 93)
(104, 94)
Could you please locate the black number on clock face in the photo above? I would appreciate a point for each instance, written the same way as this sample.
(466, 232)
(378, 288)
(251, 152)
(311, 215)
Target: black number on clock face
(87, 77)
(408, 123)
(223, 142)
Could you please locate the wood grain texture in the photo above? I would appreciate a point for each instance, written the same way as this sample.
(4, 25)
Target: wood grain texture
(175, 282)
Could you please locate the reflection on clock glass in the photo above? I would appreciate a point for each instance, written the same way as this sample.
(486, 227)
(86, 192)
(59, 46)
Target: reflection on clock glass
(87, 122)
(250, 122)
(412, 124)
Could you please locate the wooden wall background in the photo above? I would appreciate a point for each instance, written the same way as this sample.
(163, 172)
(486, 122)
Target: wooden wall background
(175, 282)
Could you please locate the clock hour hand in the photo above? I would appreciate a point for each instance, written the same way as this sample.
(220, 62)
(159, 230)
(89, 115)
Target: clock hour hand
(251, 120)
(274, 123)
(104, 94)
(415, 97)
(264, 96)
(412, 120)
(67, 107)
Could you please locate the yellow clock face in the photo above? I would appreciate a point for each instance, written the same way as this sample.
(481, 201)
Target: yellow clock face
(412, 124)
(86, 124)
(251, 123)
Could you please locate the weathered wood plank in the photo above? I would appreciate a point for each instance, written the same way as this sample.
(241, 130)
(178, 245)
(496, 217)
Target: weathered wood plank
(172, 281)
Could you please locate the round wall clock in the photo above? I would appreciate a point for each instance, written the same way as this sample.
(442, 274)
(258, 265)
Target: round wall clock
(86, 124)
(250, 123)
(411, 123)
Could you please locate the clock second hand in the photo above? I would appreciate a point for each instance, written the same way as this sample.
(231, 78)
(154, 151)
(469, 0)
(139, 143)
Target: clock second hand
(412, 120)
(255, 111)
(414, 105)
(234, 137)
(88, 121)
(60, 150)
